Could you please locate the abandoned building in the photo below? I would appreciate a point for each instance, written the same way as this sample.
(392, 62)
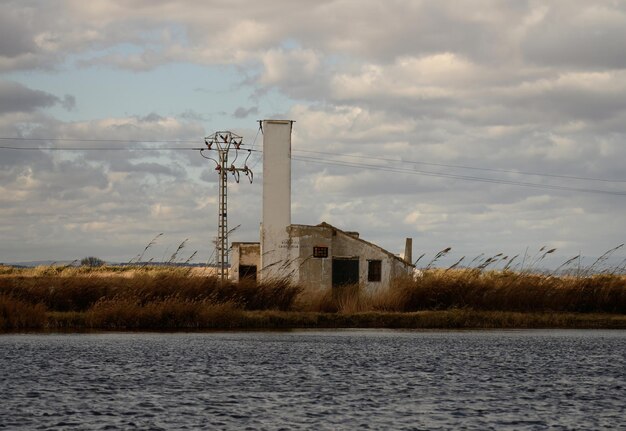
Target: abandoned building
(315, 257)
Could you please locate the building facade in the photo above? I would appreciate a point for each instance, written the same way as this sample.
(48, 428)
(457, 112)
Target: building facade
(315, 257)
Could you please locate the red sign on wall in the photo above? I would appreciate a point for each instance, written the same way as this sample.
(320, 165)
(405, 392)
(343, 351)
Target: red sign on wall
(320, 251)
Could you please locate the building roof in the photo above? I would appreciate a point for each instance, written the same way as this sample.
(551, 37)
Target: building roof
(355, 238)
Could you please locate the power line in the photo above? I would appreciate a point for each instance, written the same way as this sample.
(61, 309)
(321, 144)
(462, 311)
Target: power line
(454, 176)
(135, 141)
(257, 159)
(509, 171)
(342, 163)
(100, 148)
(445, 165)
(151, 141)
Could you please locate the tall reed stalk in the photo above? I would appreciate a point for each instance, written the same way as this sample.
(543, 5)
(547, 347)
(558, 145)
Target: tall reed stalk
(160, 298)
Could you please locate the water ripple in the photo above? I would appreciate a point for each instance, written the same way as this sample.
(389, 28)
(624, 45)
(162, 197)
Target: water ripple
(529, 380)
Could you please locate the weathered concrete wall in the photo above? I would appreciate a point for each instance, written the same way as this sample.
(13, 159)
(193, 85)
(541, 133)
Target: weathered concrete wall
(316, 273)
(275, 241)
(295, 260)
(313, 272)
(287, 250)
(391, 267)
(244, 253)
(285, 260)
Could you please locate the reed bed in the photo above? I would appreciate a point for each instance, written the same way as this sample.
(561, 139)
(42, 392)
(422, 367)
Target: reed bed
(108, 317)
(505, 291)
(479, 290)
(81, 291)
(19, 315)
(158, 298)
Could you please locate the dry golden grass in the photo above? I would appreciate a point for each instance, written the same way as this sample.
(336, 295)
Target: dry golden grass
(170, 313)
(127, 271)
(169, 298)
(16, 314)
(479, 290)
(510, 291)
(66, 290)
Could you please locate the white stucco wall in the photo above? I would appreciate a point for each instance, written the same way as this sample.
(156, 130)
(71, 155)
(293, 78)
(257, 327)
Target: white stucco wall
(294, 258)
(276, 213)
(316, 273)
(391, 267)
(243, 253)
(286, 250)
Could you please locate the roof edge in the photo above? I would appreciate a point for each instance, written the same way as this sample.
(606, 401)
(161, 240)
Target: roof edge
(330, 226)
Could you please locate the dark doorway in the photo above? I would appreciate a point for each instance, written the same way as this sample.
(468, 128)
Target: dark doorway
(247, 272)
(345, 271)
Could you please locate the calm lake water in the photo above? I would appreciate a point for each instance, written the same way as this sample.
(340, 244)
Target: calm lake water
(315, 380)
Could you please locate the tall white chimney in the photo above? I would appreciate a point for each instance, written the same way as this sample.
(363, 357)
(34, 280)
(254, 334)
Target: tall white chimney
(276, 194)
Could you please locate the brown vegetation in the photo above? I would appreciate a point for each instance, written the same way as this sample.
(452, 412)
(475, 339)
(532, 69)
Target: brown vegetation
(504, 291)
(479, 290)
(18, 315)
(67, 298)
(80, 289)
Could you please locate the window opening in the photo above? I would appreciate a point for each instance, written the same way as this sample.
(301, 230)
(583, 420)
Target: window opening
(374, 270)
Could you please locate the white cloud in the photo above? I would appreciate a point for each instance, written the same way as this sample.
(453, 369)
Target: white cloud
(506, 87)
(280, 66)
(441, 75)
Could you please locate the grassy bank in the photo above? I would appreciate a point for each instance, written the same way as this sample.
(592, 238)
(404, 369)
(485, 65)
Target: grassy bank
(59, 298)
(234, 319)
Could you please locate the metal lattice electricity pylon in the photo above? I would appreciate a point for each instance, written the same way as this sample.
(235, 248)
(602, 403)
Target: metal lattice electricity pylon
(224, 143)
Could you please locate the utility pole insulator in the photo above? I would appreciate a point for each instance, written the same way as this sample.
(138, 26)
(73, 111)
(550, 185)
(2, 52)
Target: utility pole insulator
(224, 143)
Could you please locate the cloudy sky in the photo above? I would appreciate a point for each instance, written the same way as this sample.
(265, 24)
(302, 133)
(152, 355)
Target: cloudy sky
(485, 126)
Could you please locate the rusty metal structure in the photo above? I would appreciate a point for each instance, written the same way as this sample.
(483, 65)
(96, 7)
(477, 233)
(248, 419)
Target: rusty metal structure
(226, 143)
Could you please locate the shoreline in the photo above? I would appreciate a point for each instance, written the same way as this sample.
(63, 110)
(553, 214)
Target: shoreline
(239, 320)
(171, 299)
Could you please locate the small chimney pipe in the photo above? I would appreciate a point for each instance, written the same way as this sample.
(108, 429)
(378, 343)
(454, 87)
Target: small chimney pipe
(408, 251)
